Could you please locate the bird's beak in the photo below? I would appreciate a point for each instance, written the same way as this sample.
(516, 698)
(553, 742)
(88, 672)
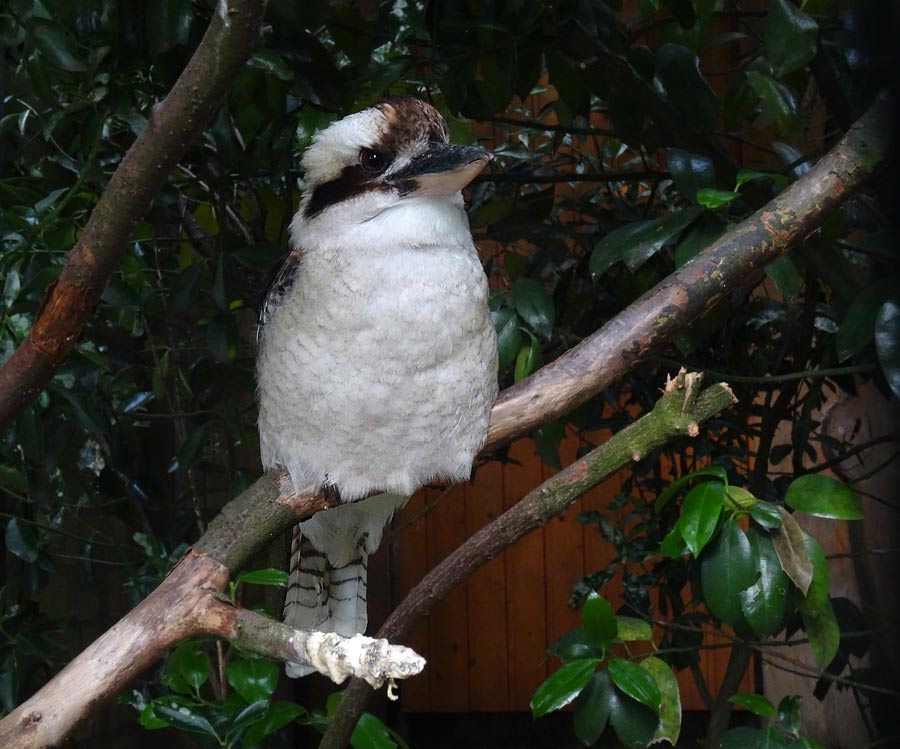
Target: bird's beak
(441, 170)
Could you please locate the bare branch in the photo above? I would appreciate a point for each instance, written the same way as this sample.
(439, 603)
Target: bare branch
(173, 124)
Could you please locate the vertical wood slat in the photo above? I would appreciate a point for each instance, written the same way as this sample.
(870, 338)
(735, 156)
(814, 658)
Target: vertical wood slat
(525, 585)
(412, 562)
(488, 681)
(447, 624)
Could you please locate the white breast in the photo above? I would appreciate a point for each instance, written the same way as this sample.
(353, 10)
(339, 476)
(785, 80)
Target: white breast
(378, 369)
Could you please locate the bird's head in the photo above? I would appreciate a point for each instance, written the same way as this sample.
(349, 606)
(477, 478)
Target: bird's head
(378, 158)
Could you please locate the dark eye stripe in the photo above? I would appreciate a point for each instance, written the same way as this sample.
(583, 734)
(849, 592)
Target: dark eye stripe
(352, 181)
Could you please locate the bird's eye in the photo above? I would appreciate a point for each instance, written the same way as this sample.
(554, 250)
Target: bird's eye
(374, 162)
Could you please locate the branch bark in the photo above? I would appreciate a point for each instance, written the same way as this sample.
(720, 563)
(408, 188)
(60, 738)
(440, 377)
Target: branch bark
(680, 411)
(177, 121)
(269, 506)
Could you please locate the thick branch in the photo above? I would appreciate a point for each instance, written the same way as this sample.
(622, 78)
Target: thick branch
(173, 125)
(678, 413)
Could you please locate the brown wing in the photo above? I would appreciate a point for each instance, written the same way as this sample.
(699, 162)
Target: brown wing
(278, 289)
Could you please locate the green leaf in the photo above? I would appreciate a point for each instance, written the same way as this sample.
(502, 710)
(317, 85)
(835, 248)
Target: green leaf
(528, 360)
(816, 610)
(20, 541)
(150, 720)
(633, 722)
(791, 551)
(766, 514)
(56, 45)
(858, 326)
(371, 733)
(631, 629)
(709, 197)
(269, 576)
(750, 175)
(706, 230)
(670, 699)
(563, 686)
(778, 100)
(168, 24)
(764, 603)
(272, 62)
(278, 715)
(887, 343)
(790, 37)
(636, 242)
(598, 620)
(702, 507)
(673, 545)
(726, 568)
(786, 276)
(509, 337)
(534, 305)
(789, 713)
(667, 493)
(574, 645)
(739, 498)
(752, 738)
(245, 718)
(191, 449)
(679, 71)
(592, 709)
(823, 497)
(690, 171)
(253, 678)
(755, 703)
(189, 662)
(13, 480)
(635, 681)
(183, 718)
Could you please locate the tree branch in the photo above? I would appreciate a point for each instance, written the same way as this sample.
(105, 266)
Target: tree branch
(172, 126)
(677, 413)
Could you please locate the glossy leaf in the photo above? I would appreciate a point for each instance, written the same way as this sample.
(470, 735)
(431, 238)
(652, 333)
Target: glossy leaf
(764, 603)
(270, 576)
(57, 45)
(190, 663)
(679, 71)
(858, 326)
(690, 171)
(755, 703)
(631, 629)
(635, 681)
(592, 708)
(528, 360)
(20, 540)
(726, 568)
(574, 645)
(636, 242)
(816, 610)
(824, 497)
(705, 230)
(253, 678)
(709, 197)
(887, 343)
(598, 620)
(666, 494)
(790, 37)
(791, 551)
(563, 686)
(702, 507)
(669, 726)
(509, 337)
(633, 722)
(184, 718)
(778, 100)
(371, 733)
(246, 717)
(673, 545)
(739, 498)
(534, 305)
(786, 276)
(766, 514)
(277, 716)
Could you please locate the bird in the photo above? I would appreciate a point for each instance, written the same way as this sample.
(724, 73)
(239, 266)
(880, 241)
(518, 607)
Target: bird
(377, 356)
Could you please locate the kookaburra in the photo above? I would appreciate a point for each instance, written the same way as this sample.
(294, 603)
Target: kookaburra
(377, 363)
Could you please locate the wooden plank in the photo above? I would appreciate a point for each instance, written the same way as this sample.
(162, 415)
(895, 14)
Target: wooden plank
(563, 554)
(447, 625)
(525, 586)
(411, 564)
(488, 678)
